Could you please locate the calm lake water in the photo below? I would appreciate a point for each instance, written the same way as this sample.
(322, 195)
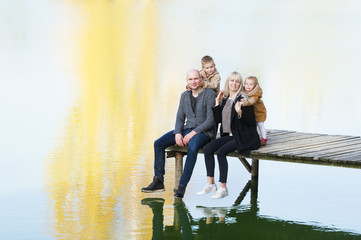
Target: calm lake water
(87, 86)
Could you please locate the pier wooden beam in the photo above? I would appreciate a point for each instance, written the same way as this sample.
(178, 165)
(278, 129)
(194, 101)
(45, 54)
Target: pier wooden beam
(245, 164)
(178, 168)
(243, 193)
(255, 168)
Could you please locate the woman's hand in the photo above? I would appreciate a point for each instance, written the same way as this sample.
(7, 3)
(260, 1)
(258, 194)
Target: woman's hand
(219, 97)
(238, 108)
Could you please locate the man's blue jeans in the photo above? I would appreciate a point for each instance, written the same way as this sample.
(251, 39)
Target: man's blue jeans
(168, 139)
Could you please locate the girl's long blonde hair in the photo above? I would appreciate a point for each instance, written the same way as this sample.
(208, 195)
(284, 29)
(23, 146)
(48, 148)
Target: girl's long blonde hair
(226, 85)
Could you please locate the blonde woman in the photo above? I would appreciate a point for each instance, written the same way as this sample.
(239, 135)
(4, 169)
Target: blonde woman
(238, 131)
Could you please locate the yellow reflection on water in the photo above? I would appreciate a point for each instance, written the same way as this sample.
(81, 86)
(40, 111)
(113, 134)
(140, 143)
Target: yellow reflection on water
(95, 173)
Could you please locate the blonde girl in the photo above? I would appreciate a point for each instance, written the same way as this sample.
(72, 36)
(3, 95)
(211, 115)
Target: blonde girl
(253, 98)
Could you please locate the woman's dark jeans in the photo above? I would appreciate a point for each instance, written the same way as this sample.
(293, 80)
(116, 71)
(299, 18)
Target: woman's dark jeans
(222, 146)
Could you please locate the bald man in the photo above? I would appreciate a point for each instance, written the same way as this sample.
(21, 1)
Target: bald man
(195, 126)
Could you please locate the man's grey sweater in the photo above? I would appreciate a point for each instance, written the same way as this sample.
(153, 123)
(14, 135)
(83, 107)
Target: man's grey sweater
(202, 120)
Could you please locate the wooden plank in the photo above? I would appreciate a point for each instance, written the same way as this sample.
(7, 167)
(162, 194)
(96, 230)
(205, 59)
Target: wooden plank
(275, 135)
(276, 143)
(311, 161)
(353, 154)
(287, 138)
(343, 162)
(299, 143)
(335, 152)
(335, 155)
(312, 141)
(277, 131)
(332, 144)
(324, 146)
(331, 154)
(351, 157)
(296, 138)
(305, 135)
(304, 160)
(314, 156)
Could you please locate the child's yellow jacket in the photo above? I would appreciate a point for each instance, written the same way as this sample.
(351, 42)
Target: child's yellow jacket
(254, 98)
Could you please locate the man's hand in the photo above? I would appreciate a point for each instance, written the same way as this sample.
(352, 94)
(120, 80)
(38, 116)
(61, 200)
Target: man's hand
(179, 140)
(188, 137)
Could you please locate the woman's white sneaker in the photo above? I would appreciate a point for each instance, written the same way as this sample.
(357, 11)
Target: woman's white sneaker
(221, 193)
(207, 189)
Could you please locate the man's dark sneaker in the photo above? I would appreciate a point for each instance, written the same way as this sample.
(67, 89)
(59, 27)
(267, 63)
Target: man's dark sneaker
(180, 192)
(156, 186)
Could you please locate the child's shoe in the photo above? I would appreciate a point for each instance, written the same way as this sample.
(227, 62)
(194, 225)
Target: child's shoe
(264, 141)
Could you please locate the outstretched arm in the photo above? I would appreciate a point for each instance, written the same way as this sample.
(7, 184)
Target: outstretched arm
(250, 101)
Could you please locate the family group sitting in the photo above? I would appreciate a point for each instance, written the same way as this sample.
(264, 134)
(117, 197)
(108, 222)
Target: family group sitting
(238, 108)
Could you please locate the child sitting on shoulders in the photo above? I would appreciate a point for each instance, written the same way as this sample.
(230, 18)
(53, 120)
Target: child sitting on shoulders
(209, 73)
(253, 97)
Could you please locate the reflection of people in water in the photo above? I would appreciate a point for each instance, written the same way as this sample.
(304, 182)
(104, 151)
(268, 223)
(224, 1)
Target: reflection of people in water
(213, 230)
(183, 217)
(211, 212)
(156, 204)
(180, 212)
(235, 222)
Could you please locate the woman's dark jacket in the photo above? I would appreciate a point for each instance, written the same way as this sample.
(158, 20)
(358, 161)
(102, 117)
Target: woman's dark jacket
(244, 129)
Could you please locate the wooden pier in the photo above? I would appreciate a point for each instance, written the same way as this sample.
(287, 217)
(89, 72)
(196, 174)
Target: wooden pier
(291, 146)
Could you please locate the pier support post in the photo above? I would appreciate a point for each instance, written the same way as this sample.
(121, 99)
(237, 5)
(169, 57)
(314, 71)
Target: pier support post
(255, 168)
(178, 169)
(176, 222)
(254, 195)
